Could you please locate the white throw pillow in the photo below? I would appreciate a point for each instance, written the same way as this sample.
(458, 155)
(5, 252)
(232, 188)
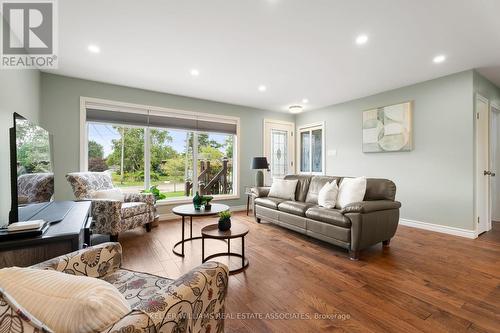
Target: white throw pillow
(65, 302)
(283, 189)
(111, 194)
(327, 196)
(351, 190)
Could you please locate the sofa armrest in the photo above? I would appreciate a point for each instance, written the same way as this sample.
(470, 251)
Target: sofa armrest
(95, 261)
(370, 206)
(259, 192)
(14, 318)
(147, 198)
(134, 322)
(192, 303)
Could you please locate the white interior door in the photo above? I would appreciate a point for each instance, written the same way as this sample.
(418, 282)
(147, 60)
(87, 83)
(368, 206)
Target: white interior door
(278, 148)
(482, 165)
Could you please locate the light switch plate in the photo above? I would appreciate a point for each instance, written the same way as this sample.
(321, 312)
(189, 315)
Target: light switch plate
(331, 152)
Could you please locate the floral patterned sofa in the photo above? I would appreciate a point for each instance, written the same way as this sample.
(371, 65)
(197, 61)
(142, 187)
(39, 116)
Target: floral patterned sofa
(112, 217)
(193, 303)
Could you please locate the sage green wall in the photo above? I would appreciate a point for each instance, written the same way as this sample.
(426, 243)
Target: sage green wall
(19, 92)
(435, 180)
(61, 116)
(486, 89)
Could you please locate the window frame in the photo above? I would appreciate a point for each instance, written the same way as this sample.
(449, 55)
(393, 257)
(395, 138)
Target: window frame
(309, 128)
(138, 108)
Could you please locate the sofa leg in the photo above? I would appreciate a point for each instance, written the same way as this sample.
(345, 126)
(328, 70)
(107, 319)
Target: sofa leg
(354, 254)
(113, 238)
(257, 219)
(386, 243)
(148, 227)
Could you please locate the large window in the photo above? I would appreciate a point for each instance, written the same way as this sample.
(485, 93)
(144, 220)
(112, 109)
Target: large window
(311, 148)
(120, 150)
(147, 152)
(170, 161)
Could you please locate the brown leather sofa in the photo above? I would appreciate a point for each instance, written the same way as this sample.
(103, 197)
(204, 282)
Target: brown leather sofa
(355, 227)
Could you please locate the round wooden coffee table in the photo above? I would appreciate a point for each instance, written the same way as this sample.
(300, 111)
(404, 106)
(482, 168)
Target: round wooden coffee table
(237, 230)
(188, 210)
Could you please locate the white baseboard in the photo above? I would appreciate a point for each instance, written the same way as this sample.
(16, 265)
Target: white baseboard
(172, 216)
(439, 228)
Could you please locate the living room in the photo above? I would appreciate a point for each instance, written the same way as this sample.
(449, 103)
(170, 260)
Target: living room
(253, 166)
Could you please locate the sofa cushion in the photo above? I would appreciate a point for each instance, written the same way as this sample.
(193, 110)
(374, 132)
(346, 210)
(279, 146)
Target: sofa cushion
(83, 182)
(140, 289)
(294, 207)
(317, 183)
(302, 186)
(65, 302)
(327, 196)
(332, 216)
(269, 202)
(109, 194)
(380, 189)
(351, 190)
(283, 188)
(130, 209)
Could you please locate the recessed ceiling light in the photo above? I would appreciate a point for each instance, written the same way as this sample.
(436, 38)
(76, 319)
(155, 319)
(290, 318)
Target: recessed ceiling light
(439, 58)
(94, 48)
(361, 39)
(262, 88)
(305, 100)
(295, 109)
(194, 72)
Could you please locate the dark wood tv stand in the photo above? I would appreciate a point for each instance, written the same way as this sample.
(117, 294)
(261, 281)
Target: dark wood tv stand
(70, 234)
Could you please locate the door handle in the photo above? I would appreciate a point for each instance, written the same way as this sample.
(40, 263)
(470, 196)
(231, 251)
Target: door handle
(489, 173)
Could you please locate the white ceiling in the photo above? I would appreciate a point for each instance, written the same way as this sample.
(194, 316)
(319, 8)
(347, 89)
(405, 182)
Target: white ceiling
(297, 48)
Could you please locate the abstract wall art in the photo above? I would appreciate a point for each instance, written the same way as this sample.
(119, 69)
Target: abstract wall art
(388, 128)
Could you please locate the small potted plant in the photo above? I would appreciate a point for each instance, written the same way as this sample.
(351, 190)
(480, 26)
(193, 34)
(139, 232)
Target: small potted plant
(157, 195)
(206, 201)
(225, 220)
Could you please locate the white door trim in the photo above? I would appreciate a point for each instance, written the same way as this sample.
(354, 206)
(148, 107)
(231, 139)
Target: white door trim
(494, 168)
(478, 141)
(304, 128)
(266, 143)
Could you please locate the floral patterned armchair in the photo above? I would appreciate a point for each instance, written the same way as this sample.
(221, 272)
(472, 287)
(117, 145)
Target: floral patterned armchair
(192, 303)
(111, 216)
(35, 188)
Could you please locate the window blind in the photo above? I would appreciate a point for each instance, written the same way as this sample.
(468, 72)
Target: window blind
(158, 119)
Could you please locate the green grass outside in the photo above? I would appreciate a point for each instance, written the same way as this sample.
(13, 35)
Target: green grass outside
(128, 182)
(174, 194)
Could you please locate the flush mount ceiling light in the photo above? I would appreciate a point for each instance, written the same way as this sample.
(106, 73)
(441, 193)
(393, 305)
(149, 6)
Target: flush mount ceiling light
(262, 88)
(195, 72)
(361, 39)
(94, 48)
(439, 59)
(305, 100)
(295, 109)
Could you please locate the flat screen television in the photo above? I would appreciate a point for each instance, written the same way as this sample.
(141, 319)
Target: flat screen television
(31, 166)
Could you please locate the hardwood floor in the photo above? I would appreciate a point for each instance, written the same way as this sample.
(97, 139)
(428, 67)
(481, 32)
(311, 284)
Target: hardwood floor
(425, 281)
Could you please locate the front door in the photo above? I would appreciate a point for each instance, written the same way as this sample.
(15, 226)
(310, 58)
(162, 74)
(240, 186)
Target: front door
(278, 148)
